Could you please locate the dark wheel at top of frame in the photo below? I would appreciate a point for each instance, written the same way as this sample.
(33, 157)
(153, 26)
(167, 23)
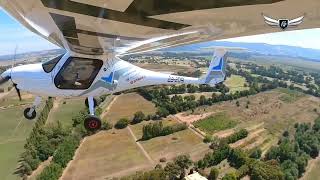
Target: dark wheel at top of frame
(29, 116)
(92, 123)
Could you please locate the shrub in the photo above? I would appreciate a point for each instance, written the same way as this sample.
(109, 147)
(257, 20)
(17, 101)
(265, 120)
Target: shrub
(163, 159)
(230, 176)
(66, 151)
(138, 117)
(214, 173)
(51, 172)
(256, 153)
(106, 125)
(243, 133)
(207, 139)
(122, 123)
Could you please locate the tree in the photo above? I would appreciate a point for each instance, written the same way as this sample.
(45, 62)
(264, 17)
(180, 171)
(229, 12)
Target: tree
(172, 170)
(230, 176)
(261, 170)
(138, 117)
(202, 100)
(162, 112)
(256, 153)
(183, 161)
(214, 173)
(237, 158)
(122, 123)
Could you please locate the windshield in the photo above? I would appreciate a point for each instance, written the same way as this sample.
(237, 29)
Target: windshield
(49, 65)
(78, 73)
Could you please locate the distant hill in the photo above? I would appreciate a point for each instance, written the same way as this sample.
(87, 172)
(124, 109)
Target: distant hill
(32, 54)
(259, 48)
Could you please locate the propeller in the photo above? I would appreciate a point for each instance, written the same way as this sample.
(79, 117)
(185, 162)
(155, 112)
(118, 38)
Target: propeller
(6, 76)
(18, 91)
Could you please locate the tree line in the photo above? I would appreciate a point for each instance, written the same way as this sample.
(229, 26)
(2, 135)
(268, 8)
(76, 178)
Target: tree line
(156, 129)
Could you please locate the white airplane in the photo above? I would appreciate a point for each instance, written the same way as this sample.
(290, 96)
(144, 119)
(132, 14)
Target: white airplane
(96, 33)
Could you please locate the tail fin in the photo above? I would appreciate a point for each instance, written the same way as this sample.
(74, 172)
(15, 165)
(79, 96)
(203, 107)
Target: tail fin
(216, 72)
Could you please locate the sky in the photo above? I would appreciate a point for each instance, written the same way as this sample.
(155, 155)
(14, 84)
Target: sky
(12, 35)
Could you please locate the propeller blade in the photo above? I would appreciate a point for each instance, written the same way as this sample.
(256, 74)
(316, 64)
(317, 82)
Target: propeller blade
(18, 91)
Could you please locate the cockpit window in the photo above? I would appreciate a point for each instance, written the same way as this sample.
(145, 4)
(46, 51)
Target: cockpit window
(77, 73)
(49, 65)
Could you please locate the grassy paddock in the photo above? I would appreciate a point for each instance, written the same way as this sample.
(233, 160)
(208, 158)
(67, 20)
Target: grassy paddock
(13, 132)
(215, 123)
(290, 96)
(64, 110)
(126, 105)
(170, 146)
(236, 83)
(107, 155)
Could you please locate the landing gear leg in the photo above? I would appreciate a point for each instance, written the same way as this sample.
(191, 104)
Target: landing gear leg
(30, 112)
(92, 122)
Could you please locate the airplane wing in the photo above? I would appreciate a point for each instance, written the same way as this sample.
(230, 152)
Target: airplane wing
(98, 27)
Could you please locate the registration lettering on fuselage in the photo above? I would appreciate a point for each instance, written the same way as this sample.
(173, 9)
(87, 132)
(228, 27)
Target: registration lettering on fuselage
(175, 79)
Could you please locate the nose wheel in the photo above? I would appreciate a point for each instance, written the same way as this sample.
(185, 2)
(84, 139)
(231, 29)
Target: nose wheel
(30, 113)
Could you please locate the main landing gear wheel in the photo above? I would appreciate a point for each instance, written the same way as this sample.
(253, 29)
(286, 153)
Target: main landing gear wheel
(28, 114)
(92, 123)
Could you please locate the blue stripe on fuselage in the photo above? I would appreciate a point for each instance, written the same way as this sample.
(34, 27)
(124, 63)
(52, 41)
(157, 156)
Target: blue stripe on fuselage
(108, 79)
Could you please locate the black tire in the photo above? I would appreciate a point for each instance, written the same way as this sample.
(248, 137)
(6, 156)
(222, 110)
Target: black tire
(26, 114)
(92, 123)
(94, 101)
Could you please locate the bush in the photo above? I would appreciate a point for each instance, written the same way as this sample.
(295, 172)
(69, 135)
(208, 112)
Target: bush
(207, 139)
(256, 153)
(230, 176)
(163, 159)
(243, 133)
(51, 172)
(237, 158)
(106, 125)
(214, 173)
(122, 123)
(138, 117)
(66, 151)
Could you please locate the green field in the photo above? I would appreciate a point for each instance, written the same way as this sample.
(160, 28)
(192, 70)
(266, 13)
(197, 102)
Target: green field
(236, 83)
(13, 132)
(64, 110)
(215, 123)
(290, 96)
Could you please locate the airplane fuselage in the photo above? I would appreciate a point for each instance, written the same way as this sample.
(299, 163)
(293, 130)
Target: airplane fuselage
(86, 79)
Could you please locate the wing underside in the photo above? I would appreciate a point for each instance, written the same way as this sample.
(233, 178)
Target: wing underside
(131, 26)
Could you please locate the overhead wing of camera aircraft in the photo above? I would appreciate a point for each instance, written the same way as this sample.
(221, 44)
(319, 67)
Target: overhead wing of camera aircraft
(96, 33)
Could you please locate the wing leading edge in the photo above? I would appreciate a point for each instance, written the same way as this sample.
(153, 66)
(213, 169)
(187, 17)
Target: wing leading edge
(98, 27)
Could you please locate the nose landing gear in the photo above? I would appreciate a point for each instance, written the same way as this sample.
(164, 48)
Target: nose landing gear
(30, 112)
(92, 122)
